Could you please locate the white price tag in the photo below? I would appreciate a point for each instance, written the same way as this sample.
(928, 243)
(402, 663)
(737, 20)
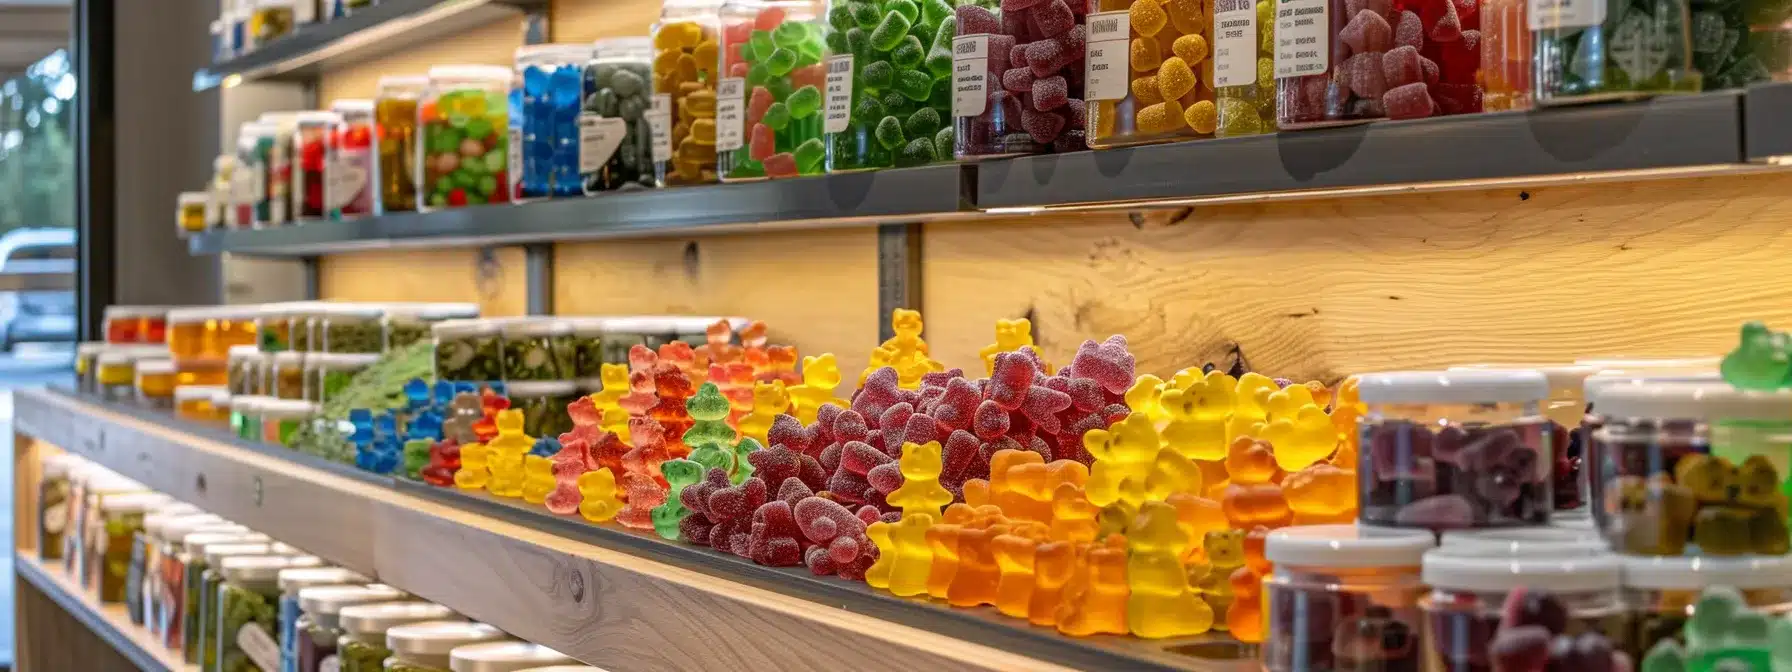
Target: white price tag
(731, 116)
(970, 75)
(598, 139)
(1234, 42)
(1555, 14)
(513, 155)
(659, 123)
(1105, 68)
(346, 177)
(1303, 38)
(839, 94)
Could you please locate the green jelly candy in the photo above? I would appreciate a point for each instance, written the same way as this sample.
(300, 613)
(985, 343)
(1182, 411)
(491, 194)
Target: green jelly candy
(809, 155)
(781, 63)
(935, 11)
(807, 54)
(907, 9)
(942, 37)
(922, 123)
(495, 160)
(790, 34)
(804, 102)
(917, 152)
(868, 111)
(942, 97)
(878, 76)
(908, 54)
(438, 200)
(479, 127)
(916, 85)
(444, 185)
(475, 199)
(896, 104)
(866, 15)
(837, 42)
(474, 166)
(942, 143)
(445, 140)
(889, 32)
(464, 179)
(889, 133)
(939, 63)
(487, 185)
(923, 31)
(840, 17)
(776, 117)
(758, 75)
(762, 45)
(858, 42)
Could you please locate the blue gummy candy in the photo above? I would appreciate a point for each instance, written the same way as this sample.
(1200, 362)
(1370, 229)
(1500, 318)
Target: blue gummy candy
(545, 446)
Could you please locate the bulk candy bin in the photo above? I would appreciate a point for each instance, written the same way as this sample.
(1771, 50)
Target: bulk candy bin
(545, 119)
(1613, 49)
(1244, 68)
(1007, 67)
(395, 112)
(769, 102)
(1336, 586)
(889, 83)
(463, 119)
(616, 143)
(1167, 91)
(1340, 61)
(349, 185)
(686, 54)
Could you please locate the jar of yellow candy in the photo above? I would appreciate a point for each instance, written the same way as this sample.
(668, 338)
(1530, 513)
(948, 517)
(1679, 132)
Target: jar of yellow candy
(1165, 50)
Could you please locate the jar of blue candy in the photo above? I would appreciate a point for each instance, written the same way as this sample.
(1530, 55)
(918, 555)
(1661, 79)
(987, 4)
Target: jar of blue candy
(544, 119)
(616, 139)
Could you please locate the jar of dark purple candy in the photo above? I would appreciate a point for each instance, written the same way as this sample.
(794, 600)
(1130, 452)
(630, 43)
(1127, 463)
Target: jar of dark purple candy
(1454, 449)
(1344, 597)
(1017, 77)
(1661, 592)
(1468, 592)
(1564, 408)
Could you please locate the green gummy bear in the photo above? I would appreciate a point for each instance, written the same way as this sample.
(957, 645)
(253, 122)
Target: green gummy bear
(878, 75)
(943, 142)
(1725, 634)
(939, 63)
(866, 15)
(923, 123)
(909, 53)
(809, 155)
(1780, 633)
(889, 31)
(915, 85)
(762, 45)
(935, 11)
(908, 9)
(917, 152)
(743, 469)
(1665, 656)
(1760, 360)
(709, 436)
(781, 62)
(479, 127)
(889, 133)
(707, 405)
(804, 102)
(666, 517)
(777, 117)
(790, 34)
(840, 17)
(868, 111)
(416, 456)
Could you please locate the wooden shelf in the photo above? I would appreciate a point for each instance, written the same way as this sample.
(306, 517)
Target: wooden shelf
(108, 621)
(613, 597)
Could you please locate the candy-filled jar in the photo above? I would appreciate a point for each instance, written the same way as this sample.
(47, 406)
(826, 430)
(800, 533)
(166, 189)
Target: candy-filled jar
(538, 349)
(286, 378)
(166, 592)
(407, 324)
(249, 370)
(424, 647)
(504, 657)
(183, 622)
(1336, 66)
(362, 646)
(1613, 50)
(1006, 67)
(468, 351)
(310, 143)
(395, 119)
(544, 119)
(464, 137)
(248, 612)
(587, 347)
(1662, 592)
(544, 405)
(117, 375)
(1565, 409)
(1154, 81)
(1343, 598)
(357, 328)
(889, 93)
(1454, 449)
(282, 418)
(623, 333)
(210, 577)
(119, 520)
(281, 201)
(686, 53)
(1692, 469)
(769, 103)
(349, 186)
(87, 360)
(1244, 66)
(135, 324)
(615, 147)
(292, 580)
(1468, 593)
(54, 503)
(155, 383)
(202, 403)
(189, 212)
(327, 374)
(1505, 55)
(320, 624)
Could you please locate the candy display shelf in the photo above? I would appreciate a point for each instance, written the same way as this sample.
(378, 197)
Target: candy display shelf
(109, 622)
(384, 28)
(611, 597)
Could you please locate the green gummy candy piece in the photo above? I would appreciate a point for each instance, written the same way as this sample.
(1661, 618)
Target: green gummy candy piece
(474, 166)
(438, 199)
(868, 111)
(487, 186)
(445, 140)
(909, 53)
(475, 199)
(935, 11)
(939, 63)
(762, 45)
(837, 42)
(942, 143)
(1665, 656)
(804, 102)
(463, 179)
(807, 54)
(840, 17)
(922, 123)
(917, 152)
(916, 85)
(924, 32)
(479, 127)
(495, 160)
(781, 63)
(758, 75)
(708, 405)
(942, 37)
(889, 133)
(866, 15)
(790, 34)
(906, 8)
(809, 155)
(879, 75)
(858, 42)
(776, 117)
(896, 104)
(889, 32)
(627, 83)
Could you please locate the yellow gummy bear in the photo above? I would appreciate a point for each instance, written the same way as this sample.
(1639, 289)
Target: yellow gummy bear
(615, 421)
(1202, 117)
(921, 492)
(538, 478)
(905, 351)
(769, 400)
(1131, 465)
(1301, 440)
(1144, 56)
(1213, 579)
(1144, 398)
(1175, 78)
(507, 475)
(878, 575)
(1285, 402)
(1145, 91)
(1161, 604)
(1011, 335)
(904, 546)
(1160, 118)
(1193, 430)
(1147, 17)
(475, 470)
(615, 384)
(1190, 48)
(1253, 390)
(599, 501)
(821, 375)
(510, 439)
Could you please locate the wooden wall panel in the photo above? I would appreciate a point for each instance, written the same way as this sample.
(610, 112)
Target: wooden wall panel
(1322, 289)
(492, 44)
(426, 275)
(588, 20)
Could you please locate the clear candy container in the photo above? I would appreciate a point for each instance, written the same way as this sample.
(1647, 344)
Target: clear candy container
(424, 647)
(1167, 92)
(248, 614)
(272, 20)
(117, 371)
(135, 324)
(468, 351)
(770, 100)
(287, 377)
(1468, 593)
(1663, 591)
(349, 186)
(165, 591)
(1343, 598)
(189, 212)
(1505, 55)
(181, 618)
(544, 119)
(362, 646)
(205, 597)
(1339, 61)
(395, 114)
(686, 54)
(615, 149)
(356, 328)
(327, 374)
(408, 324)
(155, 383)
(1454, 449)
(1612, 50)
(1565, 409)
(504, 657)
(114, 533)
(292, 580)
(623, 333)
(310, 147)
(87, 361)
(587, 347)
(273, 327)
(249, 370)
(538, 349)
(320, 625)
(54, 504)
(202, 403)
(1244, 67)
(282, 418)
(544, 405)
(998, 114)
(463, 146)
(889, 98)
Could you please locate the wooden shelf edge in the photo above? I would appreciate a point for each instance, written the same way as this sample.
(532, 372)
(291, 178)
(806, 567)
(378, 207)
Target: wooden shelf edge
(109, 622)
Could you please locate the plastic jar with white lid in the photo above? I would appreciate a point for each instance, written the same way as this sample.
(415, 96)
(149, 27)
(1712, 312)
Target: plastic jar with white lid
(587, 347)
(464, 137)
(286, 377)
(273, 327)
(292, 580)
(1694, 468)
(54, 503)
(424, 647)
(537, 349)
(1468, 593)
(469, 351)
(1565, 408)
(120, 519)
(320, 626)
(503, 657)
(349, 180)
(409, 323)
(622, 333)
(282, 418)
(117, 375)
(543, 404)
(544, 120)
(184, 621)
(135, 324)
(87, 356)
(353, 328)
(327, 374)
(362, 646)
(245, 416)
(246, 626)
(189, 212)
(248, 370)
(203, 607)
(1343, 597)
(1662, 591)
(144, 548)
(1454, 449)
(164, 586)
(154, 383)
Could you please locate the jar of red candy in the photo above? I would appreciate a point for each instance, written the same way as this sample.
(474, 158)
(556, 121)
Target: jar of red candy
(769, 108)
(1344, 597)
(1565, 408)
(1569, 593)
(310, 143)
(1662, 591)
(1454, 449)
(1018, 76)
(349, 166)
(1356, 61)
(136, 324)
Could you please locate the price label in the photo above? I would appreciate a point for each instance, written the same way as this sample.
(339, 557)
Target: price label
(659, 123)
(970, 75)
(1234, 42)
(347, 177)
(839, 94)
(1303, 38)
(1105, 68)
(731, 103)
(514, 155)
(598, 139)
(1557, 14)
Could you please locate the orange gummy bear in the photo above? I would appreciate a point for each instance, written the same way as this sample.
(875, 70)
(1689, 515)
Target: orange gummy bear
(1073, 517)
(1250, 461)
(1321, 494)
(975, 581)
(1256, 504)
(1053, 564)
(1095, 599)
(1015, 552)
(1198, 516)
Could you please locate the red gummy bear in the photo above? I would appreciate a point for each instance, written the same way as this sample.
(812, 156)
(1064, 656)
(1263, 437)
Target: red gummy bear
(444, 460)
(696, 527)
(487, 426)
(731, 509)
(673, 388)
(1108, 364)
(837, 533)
(574, 459)
(776, 540)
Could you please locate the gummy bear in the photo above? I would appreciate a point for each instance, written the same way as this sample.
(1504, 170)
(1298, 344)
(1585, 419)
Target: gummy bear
(1285, 402)
(538, 478)
(735, 380)
(769, 400)
(1124, 454)
(573, 461)
(475, 471)
(839, 537)
(1145, 398)
(1213, 578)
(598, 497)
(1760, 360)
(710, 438)
(942, 545)
(921, 492)
(1321, 494)
(977, 577)
(1015, 552)
(1198, 516)
(679, 474)
(821, 375)
(1107, 363)
(1095, 599)
(444, 461)
(507, 450)
(903, 547)
(906, 351)
(1054, 563)
(1197, 418)
(1244, 618)
(1300, 439)
(779, 365)
(1161, 604)
(1252, 392)
(1011, 335)
(1073, 517)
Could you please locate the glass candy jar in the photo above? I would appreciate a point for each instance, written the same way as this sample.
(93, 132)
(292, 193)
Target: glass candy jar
(537, 349)
(504, 657)
(1662, 592)
(287, 377)
(889, 98)
(202, 403)
(992, 117)
(1343, 598)
(349, 186)
(1337, 65)
(463, 145)
(355, 328)
(155, 383)
(1612, 50)
(407, 324)
(310, 145)
(1244, 66)
(769, 102)
(544, 405)
(1468, 594)
(468, 351)
(292, 580)
(1565, 408)
(362, 646)
(395, 119)
(686, 53)
(615, 144)
(327, 374)
(424, 647)
(1167, 90)
(247, 624)
(320, 625)
(545, 119)
(587, 347)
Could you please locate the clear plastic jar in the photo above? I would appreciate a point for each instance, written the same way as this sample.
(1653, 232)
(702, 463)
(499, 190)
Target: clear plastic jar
(1663, 591)
(362, 646)
(120, 519)
(892, 104)
(463, 144)
(249, 181)
(1314, 84)
(544, 405)
(1454, 449)
(320, 626)
(1612, 50)
(282, 418)
(287, 377)
(117, 375)
(1565, 409)
(407, 324)
(272, 20)
(353, 328)
(537, 349)
(686, 53)
(307, 326)
(1167, 91)
(184, 622)
(1462, 611)
(545, 119)
(54, 504)
(1693, 469)
(205, 621)
(166, 575)
(279, 192)
(189, 212)
(1244, 68)
(504, 657)
(770, 50)
(273, 327)
(395, 113)
(85, 550)
(349, 186)
(468, 351)
(1002, 123)
(310, 147)
(614, 149)
(1505, 55)
(135, 324)
(154, 381)
(247, 621)
(144, 547)
(292, 580)
(87, 361)
(1337, 588)
(245, 416)
(424, 647)
(587, 347)
(1520, 542)
(622, 333)
(327, 374)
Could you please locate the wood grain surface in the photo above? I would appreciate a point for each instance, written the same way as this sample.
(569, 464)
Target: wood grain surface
(588, 20)
(427, 275)
(491, 44)
(48, 638)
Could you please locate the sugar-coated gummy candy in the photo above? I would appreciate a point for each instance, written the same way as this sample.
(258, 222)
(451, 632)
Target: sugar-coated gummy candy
(1368, 31)
(1400, 66)
(1190, 48)
(1145, 54)
(1408, 101)
(1147, 17)
(1174, 78)
(1018, 80)
(1202, 116)
(1050, 93)
(1145, 90)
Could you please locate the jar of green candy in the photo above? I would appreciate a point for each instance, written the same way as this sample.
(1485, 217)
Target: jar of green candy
(465, 136)
(166, 591)
(306, 323)
(357, 328)
(115, 540)
(587, 347)
(282, 418)
(544, 405)
(537, 349)
(362, 646)
(622, 333)
(504, 657)
(54, 503)
(889, 83)
(468, 351)
(424, 647)
(246, 627)
(286, 376)
(769, 101)
(247, 371)
(327, 374)
(1611, 49)
(409, 323)
(320, 625)
(185, 598)
(205, 596)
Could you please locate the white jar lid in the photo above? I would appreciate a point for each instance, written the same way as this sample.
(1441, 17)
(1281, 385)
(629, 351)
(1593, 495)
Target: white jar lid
(540, 388)
(523, 327)
(1444, 570)
(1711, 402)
(1452, 387)
(198, 542)
(154, 523)
(260, 568)
(331, 599)
(62, 464)
(1347, 546)
(432, 311)
(127, 312)
(437, 638)
(133, 502)
(90, 348)
(402, 81)
(1560, 376)
(286, 358)
(155, 366)
(1639, 364)
(294, 579)
(193, 198)
(239, 352)
(641, 325)
(249, 403)
(503, 657)
(1698, 572)
(346, 106)
(1597, 383)
(553, 53)
(1522, 542)
(379, 617)
(317, 117)
(1578, 520)
(286, 409)
(216, 553)
(464, 328)
(491, 73)
(196, 392)
(341, 361)
(177, 529)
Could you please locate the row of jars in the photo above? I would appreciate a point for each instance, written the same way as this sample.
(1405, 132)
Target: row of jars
(246, 25)
(540, 349)
(231, 599)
